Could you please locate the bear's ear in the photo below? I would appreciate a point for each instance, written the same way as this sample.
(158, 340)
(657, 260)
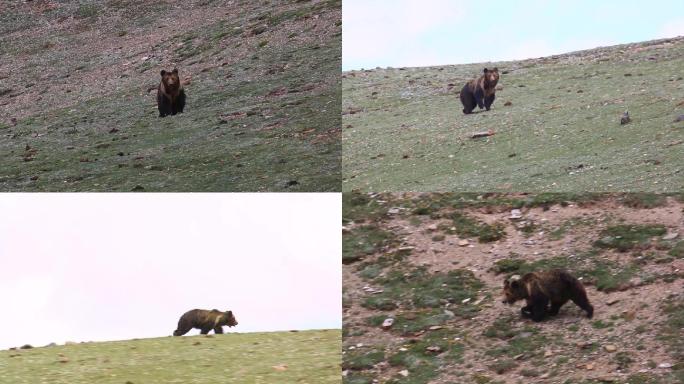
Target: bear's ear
(229, 313)
(163, 72)
(506, 283)
(496, 69)
(175, 70)
(485, 70)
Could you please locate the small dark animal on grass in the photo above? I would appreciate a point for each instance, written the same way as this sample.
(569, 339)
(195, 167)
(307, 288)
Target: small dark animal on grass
(170, 94)
(205, 321)
(480, 92)
(539, 289)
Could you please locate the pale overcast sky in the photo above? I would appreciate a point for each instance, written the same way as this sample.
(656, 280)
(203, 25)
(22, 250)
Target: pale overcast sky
(405, 33)
(80, 267)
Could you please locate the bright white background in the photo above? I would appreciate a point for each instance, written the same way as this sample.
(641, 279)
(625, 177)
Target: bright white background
(82, 267)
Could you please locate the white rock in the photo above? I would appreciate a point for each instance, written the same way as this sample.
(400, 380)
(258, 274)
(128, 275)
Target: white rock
(404, 373)
(671, 236)
(665, 365)
(515, 214)
(387, 324)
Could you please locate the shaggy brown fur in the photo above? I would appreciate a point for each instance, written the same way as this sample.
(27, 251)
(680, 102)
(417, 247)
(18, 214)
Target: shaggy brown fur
(480, 91)
(539, 289)
(170, 94)
(205, 321)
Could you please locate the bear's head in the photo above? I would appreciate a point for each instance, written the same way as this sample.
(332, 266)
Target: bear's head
(491, 77)
(513, 290)
(228, 319)
(170, 80)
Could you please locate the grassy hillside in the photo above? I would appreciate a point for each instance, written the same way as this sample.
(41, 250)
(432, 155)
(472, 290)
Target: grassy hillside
(78, 85)
(278, 357)
(403, 128)
(435, 264)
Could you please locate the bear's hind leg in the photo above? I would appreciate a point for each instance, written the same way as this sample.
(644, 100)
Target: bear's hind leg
(583, 303)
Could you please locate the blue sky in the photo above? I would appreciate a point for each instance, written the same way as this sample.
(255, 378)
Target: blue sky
(403, 33)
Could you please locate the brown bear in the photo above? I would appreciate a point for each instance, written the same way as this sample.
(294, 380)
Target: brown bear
(205, 321)
(170, 94)
(541, 288)
(480, 91)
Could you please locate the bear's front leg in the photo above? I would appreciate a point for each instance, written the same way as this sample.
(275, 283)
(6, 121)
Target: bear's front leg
(489, 100)
(479, 97)
(526, 311)
(218, 330)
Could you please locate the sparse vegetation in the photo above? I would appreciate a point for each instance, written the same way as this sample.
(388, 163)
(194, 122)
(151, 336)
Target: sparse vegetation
(311, 354)
(561, 133)
(249, 124)
(444, 297)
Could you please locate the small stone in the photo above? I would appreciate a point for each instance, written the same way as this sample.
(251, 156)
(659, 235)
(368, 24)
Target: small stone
(548, 353)
(665, 365)
(612, 301)
(589, 366)
(432, 227)
(280, 367)
(625, 118)
(393, 211)
(433, 349)
(387, 324)
(404, 372)
(516, 214)
(463, 243)
(402, 349)
(508, 104)
(435, 327)
(465, 301)
(518, 357)
(610, 348)
(671, 236)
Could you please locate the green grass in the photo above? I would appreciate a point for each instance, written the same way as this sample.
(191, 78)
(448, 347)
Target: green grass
(248, 125)
(626, 237)
(412, 135)
(466, 226)
(364, 241)
(231, 358)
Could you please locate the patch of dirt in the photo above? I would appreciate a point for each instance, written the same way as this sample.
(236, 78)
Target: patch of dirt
(629, 318)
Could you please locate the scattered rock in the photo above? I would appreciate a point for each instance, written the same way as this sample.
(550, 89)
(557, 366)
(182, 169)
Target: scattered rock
(465, 301)
(671, 236)
(489, 132)
(280, 367)
(589, 367)
(463, 243)
(548, 353)
(393, 211)
(26, 346)
(678, 119)
(114, 130)
(404, 372)
(432, 227)
(387, 324)
(516, 214)
(612, 301)
(434, 349)
(435, 327)
(291, 183)
(610, 348)
(508, 104)
(665, 365)
(625, 118)
(138, 188)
